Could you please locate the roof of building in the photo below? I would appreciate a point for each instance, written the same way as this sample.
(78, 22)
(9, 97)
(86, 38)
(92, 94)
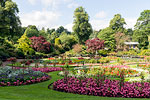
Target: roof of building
(129, 43)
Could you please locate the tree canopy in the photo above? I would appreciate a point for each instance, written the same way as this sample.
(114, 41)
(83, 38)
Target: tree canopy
(10, 24)
(32, 31)
(108, 34)
(82, 28)
(143, 22)
(117, 23)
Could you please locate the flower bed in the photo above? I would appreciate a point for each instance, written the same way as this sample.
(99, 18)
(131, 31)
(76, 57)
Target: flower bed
(144, 66)
(108, 88)
(15, 77)
(47, 69)
(113, 71)
(108, 71)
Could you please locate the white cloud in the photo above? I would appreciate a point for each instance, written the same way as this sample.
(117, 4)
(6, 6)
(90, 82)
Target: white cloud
(72, 5)
(40, 18)
(54, 4)
(33, 2)
(101, 14)
(130, 22)
(99, 24)
(68, 0)
(69, 27)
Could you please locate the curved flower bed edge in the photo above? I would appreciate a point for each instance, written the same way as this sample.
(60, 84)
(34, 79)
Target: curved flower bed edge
(108, 88)
(27, 82)
(32, 81)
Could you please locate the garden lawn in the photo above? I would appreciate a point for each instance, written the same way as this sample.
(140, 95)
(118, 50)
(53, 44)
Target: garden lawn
(40, 91)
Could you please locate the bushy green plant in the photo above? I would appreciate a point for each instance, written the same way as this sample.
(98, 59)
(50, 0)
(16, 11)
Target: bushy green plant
(24, 45)
(103, 52)
(145, 52)
(128, 53)
(92, 61)
(4, 54)
(104, 60)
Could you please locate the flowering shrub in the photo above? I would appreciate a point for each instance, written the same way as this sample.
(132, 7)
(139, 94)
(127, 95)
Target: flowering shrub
(47, 69)
(17, 77)
(104, 60)
(110, 71)
(108, 88)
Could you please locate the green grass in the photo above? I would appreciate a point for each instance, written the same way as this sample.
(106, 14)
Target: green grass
(40, 91)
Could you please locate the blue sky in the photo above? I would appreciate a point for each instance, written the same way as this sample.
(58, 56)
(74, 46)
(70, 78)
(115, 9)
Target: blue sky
(54, 13)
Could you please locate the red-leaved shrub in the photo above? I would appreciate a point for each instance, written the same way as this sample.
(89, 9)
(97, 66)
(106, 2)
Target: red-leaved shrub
(40, 44)
(94, 44)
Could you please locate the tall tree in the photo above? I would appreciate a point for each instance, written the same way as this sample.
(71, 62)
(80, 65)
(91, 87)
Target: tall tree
(108, 34)
(82, 28)
(10, 24)
(62, 29)
(50, 31)
(143, 22)
(55, 34)
(141, 37)
(142, 29)
(117, 23)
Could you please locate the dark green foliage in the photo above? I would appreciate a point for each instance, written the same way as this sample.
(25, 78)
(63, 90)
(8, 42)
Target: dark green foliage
(67, 41)
(6, 49)
(60, 31)
(142, 29)
(32, 31)
(50, 31)
(141, 37)
(82, 28)
(117, 23)
(10, 24)
(143, 22)
(107, 34)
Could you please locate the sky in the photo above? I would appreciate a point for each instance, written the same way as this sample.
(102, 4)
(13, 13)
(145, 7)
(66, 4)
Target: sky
(55, 13)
